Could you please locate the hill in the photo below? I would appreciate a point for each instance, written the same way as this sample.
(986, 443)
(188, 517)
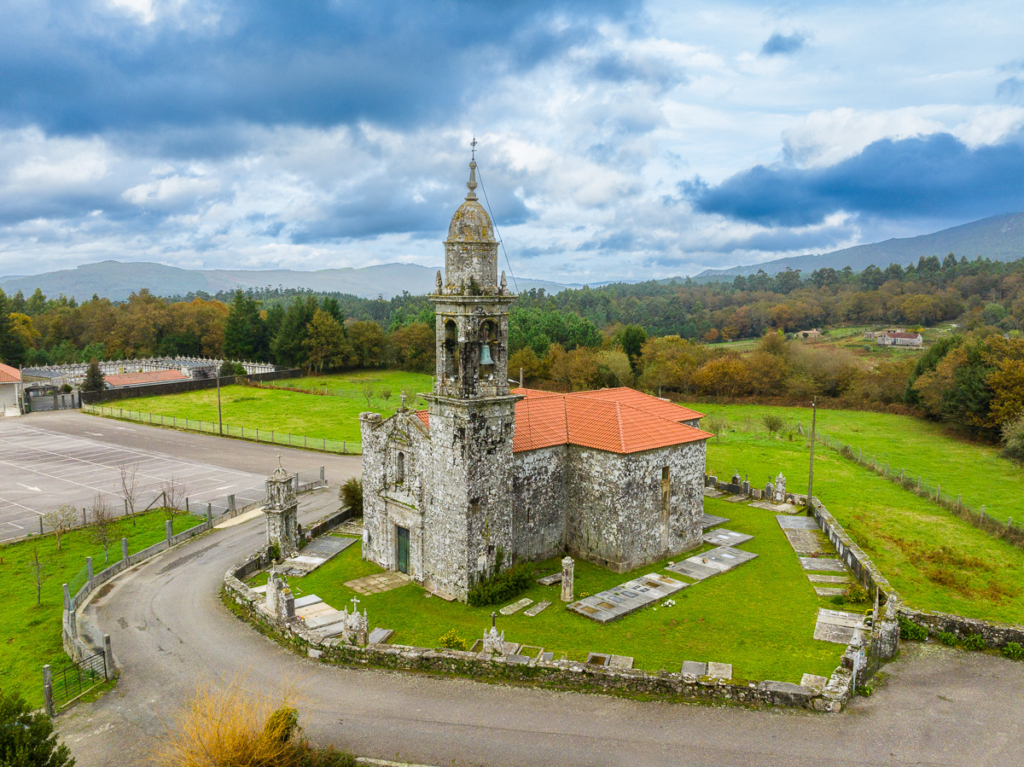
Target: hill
(116, 280)
(999, 238)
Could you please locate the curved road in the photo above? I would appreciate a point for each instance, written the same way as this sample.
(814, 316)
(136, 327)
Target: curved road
(170, 631)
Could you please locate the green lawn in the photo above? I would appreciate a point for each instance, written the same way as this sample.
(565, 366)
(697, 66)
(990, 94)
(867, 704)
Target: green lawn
(975, 471)
(31, 634)
(935, 560)
(308, 415)
(759, 617)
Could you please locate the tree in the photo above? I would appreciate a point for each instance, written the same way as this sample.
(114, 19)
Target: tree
(245, 334)
(94, 380)
(367, 392)
(385, 393)
(61, 520)
(39, 574)
(413, 347)
(27, 738)
(325, 343)
(288, 346)
(368, 343)
(12, 348)
(773, 423)
(631, 338)
(175, 492)
(128, 477)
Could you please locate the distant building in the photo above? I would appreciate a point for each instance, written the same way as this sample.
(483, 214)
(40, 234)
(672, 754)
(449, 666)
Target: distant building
(899, 338)
(809, 335)
(118, 380)
(10, 391)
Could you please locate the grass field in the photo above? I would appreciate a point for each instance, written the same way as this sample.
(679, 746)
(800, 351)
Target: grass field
(31, 634)
(935, 560)
(759, 617)
(975, 471)
(309, 415)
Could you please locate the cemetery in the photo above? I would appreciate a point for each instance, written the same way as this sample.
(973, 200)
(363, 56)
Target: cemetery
(743, 617)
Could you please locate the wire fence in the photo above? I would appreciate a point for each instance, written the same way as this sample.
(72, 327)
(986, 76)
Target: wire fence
(382, 392)
(270, 437)
(79, 580)
(934, 493)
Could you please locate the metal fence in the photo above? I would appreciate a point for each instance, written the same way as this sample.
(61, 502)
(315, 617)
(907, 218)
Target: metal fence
(74, 680)
(977, 516)
(270, 437)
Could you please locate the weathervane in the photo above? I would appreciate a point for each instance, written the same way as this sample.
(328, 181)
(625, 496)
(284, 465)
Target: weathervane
(473, 144)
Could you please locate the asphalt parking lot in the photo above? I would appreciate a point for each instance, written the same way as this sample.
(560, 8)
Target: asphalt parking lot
(67, 457)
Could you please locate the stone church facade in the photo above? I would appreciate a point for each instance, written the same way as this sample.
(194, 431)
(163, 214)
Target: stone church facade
(613, 476)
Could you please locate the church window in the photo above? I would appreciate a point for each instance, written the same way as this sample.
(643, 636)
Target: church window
(401, 468)
(666, 490)
(451, 349)
(488, 348)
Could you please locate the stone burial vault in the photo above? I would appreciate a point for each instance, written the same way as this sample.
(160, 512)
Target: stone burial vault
(613, 476)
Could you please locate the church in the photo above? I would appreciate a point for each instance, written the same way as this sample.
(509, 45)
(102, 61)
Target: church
(613, 476)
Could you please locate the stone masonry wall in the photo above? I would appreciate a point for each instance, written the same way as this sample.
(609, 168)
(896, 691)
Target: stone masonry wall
(614, 511)
(539, 499)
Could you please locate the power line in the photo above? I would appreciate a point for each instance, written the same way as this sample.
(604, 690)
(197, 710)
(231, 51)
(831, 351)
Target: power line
(495, 223)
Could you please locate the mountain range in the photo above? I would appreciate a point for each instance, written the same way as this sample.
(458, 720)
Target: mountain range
(116, 280)
(999, 238)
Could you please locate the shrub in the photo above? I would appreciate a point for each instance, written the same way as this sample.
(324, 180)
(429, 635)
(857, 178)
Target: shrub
(26, 738)
(947, 638)
(1013, 439)
(501, 587)
(865, 690)
(1013, 651)
(838, 599)
(453, 641)
(975, 642)
(773, 423)
(856, 593)
(274, 551)
(351, 495)
(911, 631)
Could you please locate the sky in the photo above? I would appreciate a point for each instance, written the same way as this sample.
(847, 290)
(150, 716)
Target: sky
(620, 140)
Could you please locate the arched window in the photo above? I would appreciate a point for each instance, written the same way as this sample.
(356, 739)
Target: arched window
(488, 348)
(401, 468)
(451, 349)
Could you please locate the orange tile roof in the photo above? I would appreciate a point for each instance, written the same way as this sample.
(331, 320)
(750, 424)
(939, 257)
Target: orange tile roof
(615, 420)
(9, 374)
(153, 376)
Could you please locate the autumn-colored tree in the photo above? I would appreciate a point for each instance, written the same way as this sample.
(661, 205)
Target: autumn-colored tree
(368, 343)
(525, 360)
(725, 376)
(614, 368)
(414, 347)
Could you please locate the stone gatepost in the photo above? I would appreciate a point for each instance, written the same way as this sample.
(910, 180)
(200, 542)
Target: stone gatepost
(568, 565)
(281, 509)
(280, 600)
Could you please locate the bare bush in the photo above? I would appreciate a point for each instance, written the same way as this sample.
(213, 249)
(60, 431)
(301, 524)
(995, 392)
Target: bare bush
(39, 574)
(129, 485)
(60, 520)
(367, 392)
(103, 520)
(385, 393)
(175, 492)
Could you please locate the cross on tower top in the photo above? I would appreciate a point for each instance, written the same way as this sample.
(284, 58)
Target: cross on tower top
(473, 144)
(355, 604)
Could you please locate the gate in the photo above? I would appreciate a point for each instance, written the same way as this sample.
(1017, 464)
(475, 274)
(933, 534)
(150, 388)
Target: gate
(71, 682)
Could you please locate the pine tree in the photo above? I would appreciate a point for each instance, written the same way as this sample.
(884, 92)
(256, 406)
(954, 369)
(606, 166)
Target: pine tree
(12, 349)
(94, 380)
(244, 330)
(288, 348)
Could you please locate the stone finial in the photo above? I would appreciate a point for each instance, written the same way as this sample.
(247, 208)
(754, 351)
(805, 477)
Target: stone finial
(438, 282)
(403, 400)
(568, 566)
(504, 283)
(471, 184)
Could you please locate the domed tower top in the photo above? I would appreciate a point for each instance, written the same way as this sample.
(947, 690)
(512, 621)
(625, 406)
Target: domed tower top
(471, 250)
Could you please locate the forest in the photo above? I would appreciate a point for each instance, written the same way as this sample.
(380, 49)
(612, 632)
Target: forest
(668, 337)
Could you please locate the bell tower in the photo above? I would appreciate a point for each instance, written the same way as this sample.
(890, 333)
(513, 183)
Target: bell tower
(472, 411)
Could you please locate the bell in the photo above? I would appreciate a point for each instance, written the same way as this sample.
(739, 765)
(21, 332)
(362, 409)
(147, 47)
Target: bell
(485, 355)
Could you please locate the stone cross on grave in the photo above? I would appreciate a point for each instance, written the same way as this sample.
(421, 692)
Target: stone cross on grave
(494, 617)
(355, 605)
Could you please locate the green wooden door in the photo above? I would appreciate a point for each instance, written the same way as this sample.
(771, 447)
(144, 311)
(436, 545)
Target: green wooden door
(403, 550)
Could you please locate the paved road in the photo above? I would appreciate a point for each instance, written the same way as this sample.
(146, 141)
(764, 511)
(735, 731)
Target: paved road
(940, 707)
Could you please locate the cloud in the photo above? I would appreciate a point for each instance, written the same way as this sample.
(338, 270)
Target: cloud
(783, 45)
(933, 176)
(82, 67)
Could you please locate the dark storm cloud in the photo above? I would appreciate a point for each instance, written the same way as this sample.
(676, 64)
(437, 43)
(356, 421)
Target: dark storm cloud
(783, 45)
(77, 68)
(929, 176)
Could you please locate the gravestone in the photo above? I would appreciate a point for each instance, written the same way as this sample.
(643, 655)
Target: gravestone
(736, 479)
(780, 489)
(280, 601)
(567, 579)
(281, 509)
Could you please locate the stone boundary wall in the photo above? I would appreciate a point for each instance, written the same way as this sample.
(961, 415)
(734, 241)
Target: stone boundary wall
(563, 674)
(177, 387)
(996, 635)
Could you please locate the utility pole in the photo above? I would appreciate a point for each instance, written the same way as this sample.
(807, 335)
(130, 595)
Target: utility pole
(810, 474)
(220, 422)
